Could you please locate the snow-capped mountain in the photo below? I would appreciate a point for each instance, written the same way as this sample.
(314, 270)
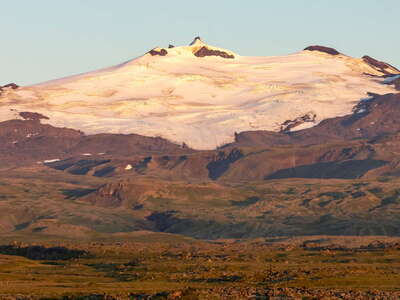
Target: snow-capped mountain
(201, 95)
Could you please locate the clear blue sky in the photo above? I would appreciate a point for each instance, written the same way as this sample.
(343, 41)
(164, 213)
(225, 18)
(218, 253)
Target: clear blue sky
(48, 39)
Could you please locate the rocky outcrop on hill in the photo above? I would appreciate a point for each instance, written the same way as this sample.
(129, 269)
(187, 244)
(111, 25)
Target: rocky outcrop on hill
(12, 86)
(161, 52)
(204, 51)
(324, 49)
(288, 125)
(379, 65)
(26, 115)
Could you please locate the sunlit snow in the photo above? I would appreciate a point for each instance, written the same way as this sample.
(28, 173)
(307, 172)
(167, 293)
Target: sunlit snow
(200, 101)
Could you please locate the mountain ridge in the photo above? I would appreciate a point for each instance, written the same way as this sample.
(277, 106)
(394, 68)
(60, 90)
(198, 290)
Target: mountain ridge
(200, 95)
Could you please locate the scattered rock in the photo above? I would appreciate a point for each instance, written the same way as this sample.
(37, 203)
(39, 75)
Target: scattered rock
(290, 124)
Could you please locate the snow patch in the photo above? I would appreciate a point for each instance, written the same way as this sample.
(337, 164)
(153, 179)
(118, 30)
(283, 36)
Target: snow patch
(48, 161)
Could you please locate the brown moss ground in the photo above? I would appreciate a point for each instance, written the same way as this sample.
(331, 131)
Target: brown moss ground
(123, 269)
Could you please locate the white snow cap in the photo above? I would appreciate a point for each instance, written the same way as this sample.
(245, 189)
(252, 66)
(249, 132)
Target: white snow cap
(201, 101)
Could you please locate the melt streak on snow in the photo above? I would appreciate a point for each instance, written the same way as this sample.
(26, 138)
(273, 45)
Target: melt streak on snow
(201, 101)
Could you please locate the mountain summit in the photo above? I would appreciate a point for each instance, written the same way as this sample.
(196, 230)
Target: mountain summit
(201, 95)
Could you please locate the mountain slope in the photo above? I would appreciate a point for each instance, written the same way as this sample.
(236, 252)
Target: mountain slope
(201, 95)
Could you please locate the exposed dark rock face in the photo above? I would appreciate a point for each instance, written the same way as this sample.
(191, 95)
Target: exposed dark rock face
(32, 116)
(379, 65)
(222, 161)
(290, 124)
(204, 51)
(197, 38)
(161, 52)
(324, 49)
(10, 85)
(110, 195)
(171, 46)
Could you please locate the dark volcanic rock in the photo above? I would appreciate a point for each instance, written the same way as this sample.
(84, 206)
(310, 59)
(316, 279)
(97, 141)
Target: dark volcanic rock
(197, 38)
(161, 52)
(290, 124)
(204, 51)
(10, 85)
(171, 46)
(222, 161)
(379, 65)
(324, 49)
(32, 116)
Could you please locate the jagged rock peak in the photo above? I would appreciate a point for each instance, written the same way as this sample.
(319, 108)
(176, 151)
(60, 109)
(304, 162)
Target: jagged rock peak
(328, 50)
(197, 41)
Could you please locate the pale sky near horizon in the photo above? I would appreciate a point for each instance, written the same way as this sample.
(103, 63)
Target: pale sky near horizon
(46, 39)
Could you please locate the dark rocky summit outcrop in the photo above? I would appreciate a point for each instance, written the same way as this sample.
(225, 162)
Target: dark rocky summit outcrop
(26, 115)
(379, 65)
(197, 38)
(324, 49)
(161, 52)
(221, 162)
(204, 51)
(12, 86)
